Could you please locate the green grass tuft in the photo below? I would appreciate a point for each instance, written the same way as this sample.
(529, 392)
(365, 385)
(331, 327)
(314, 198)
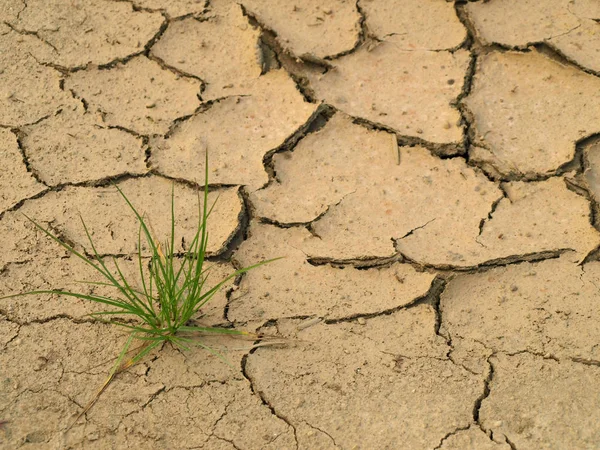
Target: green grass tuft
(170, 296)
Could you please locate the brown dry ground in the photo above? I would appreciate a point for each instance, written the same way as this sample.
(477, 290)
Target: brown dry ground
(430, 170)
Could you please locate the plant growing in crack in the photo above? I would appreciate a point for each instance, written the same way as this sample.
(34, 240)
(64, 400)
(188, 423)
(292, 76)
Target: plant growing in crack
(171, 294)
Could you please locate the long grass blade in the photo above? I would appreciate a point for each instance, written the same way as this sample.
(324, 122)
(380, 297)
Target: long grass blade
(64, 245)
(95, 298)
(103, 283)
(149, 239)
(111, 375)
(124, 289)
(134, 298)
(141, 267)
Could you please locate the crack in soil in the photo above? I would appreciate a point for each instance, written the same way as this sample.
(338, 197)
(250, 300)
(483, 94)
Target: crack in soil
(510, 444)
(375, 262)
(431, 297)
(409, 233)
(240, 234)
(551, 357)
(361, 264)
(20, 135)
(263, 398)
(550, 49)
(492, 263)
(364, 35)
(177, 71)
(109, 65)
(315, 122)
(29, 124)
(54, 317)
(8, 319)
(485, 394)
(202, 108)
(544, 47)
(466, 119)
(136, 7)
(284, 58)
(493, 207)
(307, 225)
(109, 181)
(322, 431)
(439, 150)
(103, 181)
(31, 33)
(448, 435)
(217, 422)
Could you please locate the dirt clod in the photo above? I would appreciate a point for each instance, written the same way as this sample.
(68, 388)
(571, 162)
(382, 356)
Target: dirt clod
(120, 95)
(74, 138)
(402, 90)
(571, 27)
(311, 28)
(237, 133)
(414, 24)
(523, 107)
(115, 30)
(226, 33)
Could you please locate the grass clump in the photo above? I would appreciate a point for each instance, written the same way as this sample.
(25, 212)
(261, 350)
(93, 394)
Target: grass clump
(172, 292)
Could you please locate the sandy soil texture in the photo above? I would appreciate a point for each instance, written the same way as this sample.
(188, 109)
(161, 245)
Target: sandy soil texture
(429, 169)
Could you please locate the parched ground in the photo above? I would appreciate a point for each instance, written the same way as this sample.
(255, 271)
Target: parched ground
(429, 169)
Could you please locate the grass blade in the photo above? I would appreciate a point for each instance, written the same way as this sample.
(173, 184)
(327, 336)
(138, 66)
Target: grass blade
(111, 375)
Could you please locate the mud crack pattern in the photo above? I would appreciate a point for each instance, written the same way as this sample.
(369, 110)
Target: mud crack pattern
(428, 169)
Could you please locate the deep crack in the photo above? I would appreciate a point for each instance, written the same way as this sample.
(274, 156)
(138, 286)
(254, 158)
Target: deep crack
(485, 394)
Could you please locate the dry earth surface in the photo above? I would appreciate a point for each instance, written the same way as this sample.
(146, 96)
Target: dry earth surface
(429, 169)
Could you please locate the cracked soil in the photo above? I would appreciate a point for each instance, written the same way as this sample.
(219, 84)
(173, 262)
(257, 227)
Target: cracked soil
(429, 169)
